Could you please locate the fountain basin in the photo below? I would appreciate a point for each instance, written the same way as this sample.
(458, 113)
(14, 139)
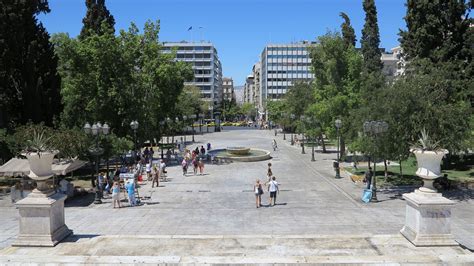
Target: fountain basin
(238, 150)
(252, 155)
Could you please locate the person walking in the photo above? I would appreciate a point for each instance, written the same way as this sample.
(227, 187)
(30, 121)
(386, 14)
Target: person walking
(148, 171)
(184, 165)
(273, 189)
(203, 151)
(258, 193)
(130, 187)
(274, 145)
(269, 172)
(201, 166)
(195, 165)
(116, 194)
(156, 177)
(368, 177)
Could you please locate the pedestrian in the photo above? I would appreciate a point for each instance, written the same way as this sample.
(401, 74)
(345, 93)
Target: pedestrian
(269, 172)
(273, 189)
(152, 152)
(184, 165)
(163, 172)
(354, 165)
(203, 151)
(201, 166)
(368, 177)
(208, 146)
(156, 177)
(197, 151)
(101, 182)
(274, 145)
(148, 171)
(195, 165)
(130, 187)
(116, 194)
(258, 193)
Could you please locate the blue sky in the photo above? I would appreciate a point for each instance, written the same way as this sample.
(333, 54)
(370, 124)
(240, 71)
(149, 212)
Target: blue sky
(238, 28)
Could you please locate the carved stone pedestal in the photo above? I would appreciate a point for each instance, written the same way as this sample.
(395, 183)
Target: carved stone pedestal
(428, 219)
(42, 220)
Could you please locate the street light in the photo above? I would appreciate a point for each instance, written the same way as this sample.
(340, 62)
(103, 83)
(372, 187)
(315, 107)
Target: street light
(201, 117)
(95, 130)
(162, 124)
(374, 129)
(193, 118)
(134, 126)
(292, 116)
(302, 118)
(283, 115)
(338, 124)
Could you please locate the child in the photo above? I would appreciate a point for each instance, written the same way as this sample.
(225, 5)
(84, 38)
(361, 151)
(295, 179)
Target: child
(184, 164)
(201, 166)
(116, 194)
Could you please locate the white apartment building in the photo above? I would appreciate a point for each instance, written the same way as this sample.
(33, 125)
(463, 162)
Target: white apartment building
(281, 66)
(206, 66)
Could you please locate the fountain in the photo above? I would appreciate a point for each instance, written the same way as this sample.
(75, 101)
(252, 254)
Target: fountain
(241, 154)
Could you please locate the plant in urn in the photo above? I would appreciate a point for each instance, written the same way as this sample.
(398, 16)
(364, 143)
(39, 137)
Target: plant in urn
(40, 155)
(428, 156)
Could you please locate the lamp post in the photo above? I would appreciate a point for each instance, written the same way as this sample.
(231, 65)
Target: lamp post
(217, 123)
(292, 141)
(162, 124)
(302, 118)
(374, 129)
(201, 117)
(134, 125)
(338, 124)
(193, 118)
(283, 115)
(95, 130)
(185, 120)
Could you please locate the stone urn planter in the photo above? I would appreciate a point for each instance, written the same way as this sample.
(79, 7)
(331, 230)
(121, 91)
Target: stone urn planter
(40, 170)
(428, 213)
(42, 220)
(429, 167)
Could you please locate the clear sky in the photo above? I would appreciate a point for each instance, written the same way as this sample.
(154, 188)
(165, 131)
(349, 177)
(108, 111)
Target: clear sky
(239, 29)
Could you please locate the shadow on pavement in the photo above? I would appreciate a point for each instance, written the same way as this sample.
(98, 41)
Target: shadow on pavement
(76, 238)
(82, 200)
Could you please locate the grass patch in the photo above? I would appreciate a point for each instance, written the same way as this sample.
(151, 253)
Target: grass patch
(409, 178)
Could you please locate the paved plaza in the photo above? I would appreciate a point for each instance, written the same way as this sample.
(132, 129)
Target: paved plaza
(316, 217)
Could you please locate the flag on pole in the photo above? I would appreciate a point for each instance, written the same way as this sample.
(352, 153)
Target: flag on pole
(190, 28)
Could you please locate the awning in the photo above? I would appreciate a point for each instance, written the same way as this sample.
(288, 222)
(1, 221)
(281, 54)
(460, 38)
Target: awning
(17, 166)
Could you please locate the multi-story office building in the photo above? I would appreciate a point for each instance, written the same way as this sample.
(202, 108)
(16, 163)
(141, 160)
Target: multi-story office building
(249, 89)
(257, 99)
(206, 66)
(281, 66)
(228, 89)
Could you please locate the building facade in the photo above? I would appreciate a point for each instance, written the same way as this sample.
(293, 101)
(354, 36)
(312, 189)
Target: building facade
(249, 89)
(281, 66)
(206, 66)
(228, 93)
(393, 63)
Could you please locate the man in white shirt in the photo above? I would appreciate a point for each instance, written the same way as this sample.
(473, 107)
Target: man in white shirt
(273, 189)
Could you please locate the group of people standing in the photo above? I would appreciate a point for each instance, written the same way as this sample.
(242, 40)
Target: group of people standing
(193, 158)
(272, 188)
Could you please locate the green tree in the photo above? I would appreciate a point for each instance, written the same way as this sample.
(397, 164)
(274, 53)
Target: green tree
(299, 97)
(97, 14)
(436, 30)
(119, 79)
(337, 85)
(370, 39)
(348, 33)
(248, 109)
(29, 82)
